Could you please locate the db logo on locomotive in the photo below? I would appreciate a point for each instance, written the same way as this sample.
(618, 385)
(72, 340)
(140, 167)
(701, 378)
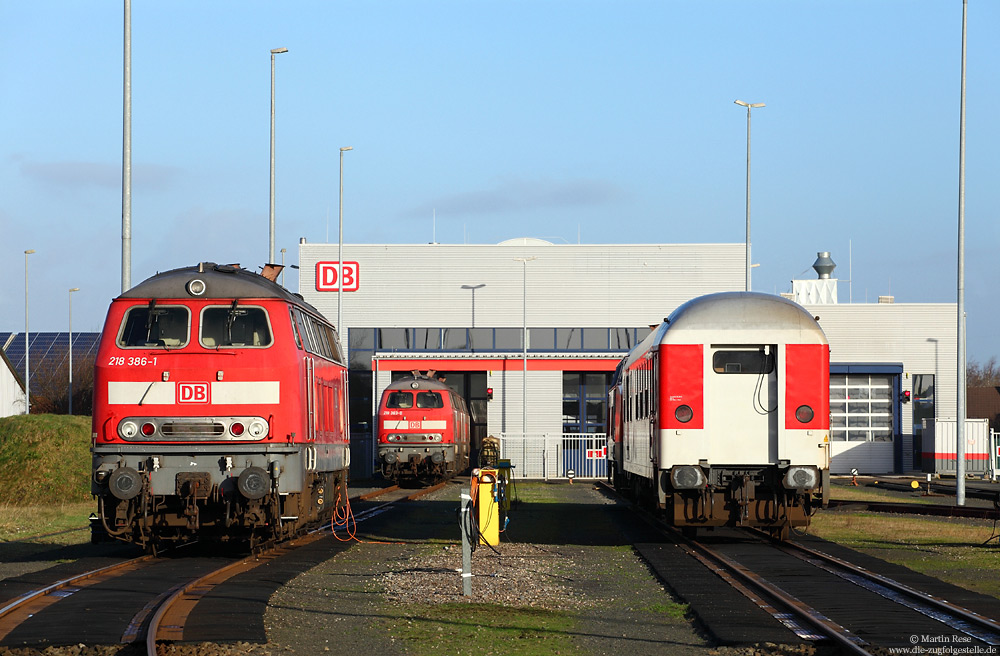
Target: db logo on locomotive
(192, 393)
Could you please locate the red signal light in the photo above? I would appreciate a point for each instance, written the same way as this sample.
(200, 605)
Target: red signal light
(489, 393)
(906, 396)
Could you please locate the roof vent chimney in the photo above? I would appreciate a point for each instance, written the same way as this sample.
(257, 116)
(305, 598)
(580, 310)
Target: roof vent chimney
(823, 265)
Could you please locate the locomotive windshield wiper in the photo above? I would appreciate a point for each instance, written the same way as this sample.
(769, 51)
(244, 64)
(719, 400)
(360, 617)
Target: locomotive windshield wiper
(231, 319)
(149, 317)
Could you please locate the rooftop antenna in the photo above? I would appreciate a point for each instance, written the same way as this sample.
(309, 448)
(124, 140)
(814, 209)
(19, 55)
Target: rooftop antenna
(434, 228)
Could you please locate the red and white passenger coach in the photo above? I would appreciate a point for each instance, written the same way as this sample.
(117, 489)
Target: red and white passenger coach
(722, 414)
(220, 410)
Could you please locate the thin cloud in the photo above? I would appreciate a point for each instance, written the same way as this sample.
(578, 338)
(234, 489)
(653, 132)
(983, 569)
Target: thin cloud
(82, 175)
(523, 195)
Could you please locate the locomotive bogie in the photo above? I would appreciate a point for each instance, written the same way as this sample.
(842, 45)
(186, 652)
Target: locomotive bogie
(439, 461)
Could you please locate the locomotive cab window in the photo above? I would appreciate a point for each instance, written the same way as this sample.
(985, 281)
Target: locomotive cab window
(152, 326)
(429, 400)
(235, 325)
(399, 400)
(743, 362)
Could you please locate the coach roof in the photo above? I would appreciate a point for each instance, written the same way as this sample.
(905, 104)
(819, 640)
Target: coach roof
(747, 312)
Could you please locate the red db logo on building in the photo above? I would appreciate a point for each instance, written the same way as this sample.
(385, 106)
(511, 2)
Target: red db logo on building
(327, 279)
(192, 392)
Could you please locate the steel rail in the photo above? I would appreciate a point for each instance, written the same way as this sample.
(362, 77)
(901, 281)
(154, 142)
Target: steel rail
(167, 622)
(40, 598)
(804, 553)
(823, 624)
(745, 581)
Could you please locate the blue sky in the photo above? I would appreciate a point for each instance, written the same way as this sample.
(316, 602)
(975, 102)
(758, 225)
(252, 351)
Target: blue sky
(604, 122)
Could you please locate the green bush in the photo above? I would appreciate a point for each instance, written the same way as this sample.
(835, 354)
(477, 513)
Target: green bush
(44, 459)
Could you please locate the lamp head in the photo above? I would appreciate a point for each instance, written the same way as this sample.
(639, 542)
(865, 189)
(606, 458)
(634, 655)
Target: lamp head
(278, 51)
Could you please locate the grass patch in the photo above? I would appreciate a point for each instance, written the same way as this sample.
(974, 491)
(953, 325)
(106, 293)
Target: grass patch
(446, 629)
(44, 459)
(874, 494)
(20, 522)
(672, 610)
(949, 549)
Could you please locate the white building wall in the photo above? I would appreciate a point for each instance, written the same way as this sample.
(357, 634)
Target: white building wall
(567, 285)
(11, 394)
(923, 337)
(544, 398)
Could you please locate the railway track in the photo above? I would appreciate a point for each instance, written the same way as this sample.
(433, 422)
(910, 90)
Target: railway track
(806, 590)
(818, 597)
(42, 616)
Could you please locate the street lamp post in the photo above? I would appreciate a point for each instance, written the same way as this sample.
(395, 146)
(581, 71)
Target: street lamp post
(270, 250)
(127, 153)
(340, 247)
(960, 400)
(474, 288)
(27, 346)
(524, 341)
(749, 106)
(74, 289)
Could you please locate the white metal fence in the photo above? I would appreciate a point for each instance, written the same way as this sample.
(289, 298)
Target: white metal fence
(552, 456)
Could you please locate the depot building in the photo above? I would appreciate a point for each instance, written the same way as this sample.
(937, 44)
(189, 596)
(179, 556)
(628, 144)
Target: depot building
(464, 311)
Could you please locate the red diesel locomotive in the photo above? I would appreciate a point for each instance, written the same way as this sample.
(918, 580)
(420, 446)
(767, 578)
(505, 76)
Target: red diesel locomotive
(220, 410)
(423, 430)
(721, 416)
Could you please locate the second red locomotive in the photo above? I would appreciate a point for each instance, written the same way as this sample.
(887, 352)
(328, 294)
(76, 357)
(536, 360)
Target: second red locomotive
(423, 430)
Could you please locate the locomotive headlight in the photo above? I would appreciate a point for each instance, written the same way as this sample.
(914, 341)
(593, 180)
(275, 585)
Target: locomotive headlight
(392, 438)
(436, 437)
(684, 413)
(801, 478)
(804, 414)
(237, 428)
(687, 477)
(196, 287)
(128, 429)
(257, 428)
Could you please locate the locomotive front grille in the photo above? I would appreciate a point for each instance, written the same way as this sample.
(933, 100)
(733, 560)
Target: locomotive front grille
(192, 429)
(150, 429)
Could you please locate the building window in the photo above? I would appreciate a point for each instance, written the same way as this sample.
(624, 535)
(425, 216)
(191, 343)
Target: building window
(585, 405)
(861, 407)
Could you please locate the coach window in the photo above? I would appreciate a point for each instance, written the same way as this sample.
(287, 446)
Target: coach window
(399, 400)
(152, 326)
(743, 362)
(235, 325)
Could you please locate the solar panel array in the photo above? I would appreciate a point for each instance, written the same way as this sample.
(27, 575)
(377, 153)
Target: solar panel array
(48, 350)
